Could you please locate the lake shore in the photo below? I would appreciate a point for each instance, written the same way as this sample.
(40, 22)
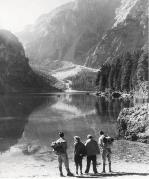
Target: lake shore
(130, 162)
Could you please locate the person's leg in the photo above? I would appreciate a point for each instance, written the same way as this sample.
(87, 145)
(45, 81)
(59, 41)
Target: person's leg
(81, 166)
(88, 164)
(103, 160)
(77, 166)
(76, 163)
(60, 164)
(109, 161)
(66, 163)
(94, 163)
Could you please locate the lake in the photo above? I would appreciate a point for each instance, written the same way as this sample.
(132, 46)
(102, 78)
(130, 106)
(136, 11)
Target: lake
(36, 119)
(29, 123)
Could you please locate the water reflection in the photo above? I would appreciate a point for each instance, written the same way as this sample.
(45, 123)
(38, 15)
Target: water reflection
(108, 109)
(14, 112)
(76, 114)
(33, 122)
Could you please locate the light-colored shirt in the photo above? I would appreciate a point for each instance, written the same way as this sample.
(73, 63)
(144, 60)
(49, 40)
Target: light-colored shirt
(102, 144)
(100, 141)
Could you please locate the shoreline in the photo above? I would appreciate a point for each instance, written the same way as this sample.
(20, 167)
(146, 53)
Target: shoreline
(125, 164)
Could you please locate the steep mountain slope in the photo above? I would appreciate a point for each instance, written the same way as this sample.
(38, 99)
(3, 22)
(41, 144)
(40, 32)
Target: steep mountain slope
(112, 34)
(124, 48)
(15, 72)
(68, 32)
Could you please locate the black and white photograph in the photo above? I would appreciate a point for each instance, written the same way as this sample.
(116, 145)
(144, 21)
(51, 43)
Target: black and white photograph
(74, 89)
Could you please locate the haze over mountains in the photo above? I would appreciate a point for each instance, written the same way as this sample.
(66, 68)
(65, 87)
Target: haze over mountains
(69, 32)
(76, 40)
(92, 33)
(15, 73)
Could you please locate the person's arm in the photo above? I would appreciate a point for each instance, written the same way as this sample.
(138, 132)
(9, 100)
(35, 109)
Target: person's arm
(100, 141)
(97, 147)
(75, 148)
(85, 143)
(65, 146)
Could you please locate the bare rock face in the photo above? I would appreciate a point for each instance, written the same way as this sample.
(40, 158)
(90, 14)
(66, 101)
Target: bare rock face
(122, 51)
(68, 32)
(15, 72)
(133, 123)
(111, 35)
(129, 33)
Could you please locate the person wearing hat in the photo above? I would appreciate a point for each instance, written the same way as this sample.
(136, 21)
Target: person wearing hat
(79, 152)
(62, 154)
(92, 150)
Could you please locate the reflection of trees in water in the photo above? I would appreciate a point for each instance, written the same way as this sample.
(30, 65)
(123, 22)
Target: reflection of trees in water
(83, 102)
(51, 120)
(110, 109)
(14, 112)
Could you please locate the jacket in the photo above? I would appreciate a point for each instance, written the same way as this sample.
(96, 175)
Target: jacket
(63, 144)
(79, 149)
(92, 147)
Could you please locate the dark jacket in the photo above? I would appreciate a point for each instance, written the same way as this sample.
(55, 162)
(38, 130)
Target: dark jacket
(92, 147)
(63, 144)
(79, 149)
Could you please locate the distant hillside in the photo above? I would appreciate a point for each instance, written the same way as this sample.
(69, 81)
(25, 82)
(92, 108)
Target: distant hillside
(15, 73)
(123, 50)
(76, 77)
(110, 34)
(68, 32)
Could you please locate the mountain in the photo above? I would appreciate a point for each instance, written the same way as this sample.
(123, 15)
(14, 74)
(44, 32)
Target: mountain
(15, 73)
(123, 51)
(110, 35)
(68, 32)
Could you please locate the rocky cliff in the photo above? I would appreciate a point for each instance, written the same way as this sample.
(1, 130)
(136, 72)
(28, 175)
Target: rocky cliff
(68, 32)
(15, 72)
(122, 52)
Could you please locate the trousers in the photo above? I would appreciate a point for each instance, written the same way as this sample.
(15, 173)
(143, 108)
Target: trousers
(89, 159)
(106, 153)
(63, 158)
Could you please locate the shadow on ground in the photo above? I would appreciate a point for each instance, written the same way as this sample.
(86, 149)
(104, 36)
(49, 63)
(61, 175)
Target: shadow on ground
(112, 174)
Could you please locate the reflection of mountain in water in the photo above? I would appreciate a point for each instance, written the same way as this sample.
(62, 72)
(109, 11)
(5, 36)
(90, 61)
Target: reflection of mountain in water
(14, 112)
(75, 114)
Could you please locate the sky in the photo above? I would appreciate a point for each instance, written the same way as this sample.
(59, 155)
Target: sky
(16, 14)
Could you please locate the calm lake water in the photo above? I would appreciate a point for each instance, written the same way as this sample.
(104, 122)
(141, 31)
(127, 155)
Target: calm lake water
(32, 122)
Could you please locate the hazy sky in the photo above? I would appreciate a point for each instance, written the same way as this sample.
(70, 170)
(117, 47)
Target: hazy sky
(15, 14)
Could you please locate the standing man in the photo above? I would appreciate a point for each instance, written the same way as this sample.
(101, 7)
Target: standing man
(92, 150)
(60, 147)
(105, 144)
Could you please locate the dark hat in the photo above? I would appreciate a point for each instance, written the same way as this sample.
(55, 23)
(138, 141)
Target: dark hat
(61, 134)
(101, 132)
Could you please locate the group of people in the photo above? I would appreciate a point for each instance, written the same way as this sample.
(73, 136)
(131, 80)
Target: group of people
(91, 148)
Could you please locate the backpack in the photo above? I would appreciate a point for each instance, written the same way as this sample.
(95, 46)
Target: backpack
(57, 147)
(108, 140)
